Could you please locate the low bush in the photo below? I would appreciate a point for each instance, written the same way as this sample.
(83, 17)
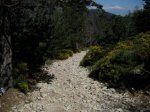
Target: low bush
(127, 65)
(20, 74)
(77, 50)
(23, 86)
(64, 54)
(68, 51)
(94, 54)
(49, 62)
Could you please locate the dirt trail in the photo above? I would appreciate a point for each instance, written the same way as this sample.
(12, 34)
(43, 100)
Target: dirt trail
(73, 91)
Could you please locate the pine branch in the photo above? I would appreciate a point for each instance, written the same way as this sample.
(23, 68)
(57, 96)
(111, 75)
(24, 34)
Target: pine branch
(2, 3)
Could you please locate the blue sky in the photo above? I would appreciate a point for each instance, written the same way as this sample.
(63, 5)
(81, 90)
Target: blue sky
(120, 7)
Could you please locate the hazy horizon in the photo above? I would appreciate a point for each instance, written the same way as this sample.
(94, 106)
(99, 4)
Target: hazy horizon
(120, 7)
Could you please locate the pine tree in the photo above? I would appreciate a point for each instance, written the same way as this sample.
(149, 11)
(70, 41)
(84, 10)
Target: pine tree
(146, 16)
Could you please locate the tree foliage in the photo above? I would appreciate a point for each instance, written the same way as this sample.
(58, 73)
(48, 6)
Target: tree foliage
(127, 65)
(44, 29)
(126, 62)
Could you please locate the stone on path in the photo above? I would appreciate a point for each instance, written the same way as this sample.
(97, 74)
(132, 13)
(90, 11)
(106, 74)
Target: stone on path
(73, 91)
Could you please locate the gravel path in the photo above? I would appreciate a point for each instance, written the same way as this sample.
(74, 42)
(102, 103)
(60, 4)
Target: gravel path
(73, 91)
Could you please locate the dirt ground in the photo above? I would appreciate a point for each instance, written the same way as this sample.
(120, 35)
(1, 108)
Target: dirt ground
(10, 98)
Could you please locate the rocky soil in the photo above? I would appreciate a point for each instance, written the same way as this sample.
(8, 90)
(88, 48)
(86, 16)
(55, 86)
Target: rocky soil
(11, 98)
(73, 91)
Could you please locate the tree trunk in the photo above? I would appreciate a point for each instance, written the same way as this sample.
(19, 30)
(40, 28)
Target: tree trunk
(6, 80)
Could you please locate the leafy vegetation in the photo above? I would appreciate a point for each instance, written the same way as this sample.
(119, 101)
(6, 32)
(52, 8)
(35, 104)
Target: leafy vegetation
(127, 65)
(20, 74)
(49, 62)
(64, 54)
(37, 31)
(95, 53)
(42, 31)
(126, 62)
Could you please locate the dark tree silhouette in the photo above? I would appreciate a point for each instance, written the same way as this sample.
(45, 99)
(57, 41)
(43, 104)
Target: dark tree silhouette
(5, 44)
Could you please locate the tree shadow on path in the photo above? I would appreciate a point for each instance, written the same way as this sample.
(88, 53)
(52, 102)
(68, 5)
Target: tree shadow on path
(40, 76)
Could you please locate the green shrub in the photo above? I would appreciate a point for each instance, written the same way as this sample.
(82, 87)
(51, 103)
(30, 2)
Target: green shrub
(68, 51)
(127, 65)
(64, 54)
(23, 86)
(48, 62)
(94, 54)
(20, 68)
(77, 50)
(20, 75)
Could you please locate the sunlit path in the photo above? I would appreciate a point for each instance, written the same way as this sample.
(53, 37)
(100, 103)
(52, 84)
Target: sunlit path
(73, 91)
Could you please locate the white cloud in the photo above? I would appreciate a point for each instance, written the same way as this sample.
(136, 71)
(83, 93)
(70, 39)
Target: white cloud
(115, 8)
(92, 7)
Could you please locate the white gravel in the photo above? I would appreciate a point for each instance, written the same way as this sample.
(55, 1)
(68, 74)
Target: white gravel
(73, 91)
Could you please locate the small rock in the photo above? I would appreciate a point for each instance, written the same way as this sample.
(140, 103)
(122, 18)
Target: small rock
(26, 102)
(39, 98)
(119, 110)
(43, 95)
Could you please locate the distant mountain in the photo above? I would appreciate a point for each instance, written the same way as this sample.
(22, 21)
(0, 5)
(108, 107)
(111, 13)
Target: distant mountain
(94, 10)
(97, 11)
